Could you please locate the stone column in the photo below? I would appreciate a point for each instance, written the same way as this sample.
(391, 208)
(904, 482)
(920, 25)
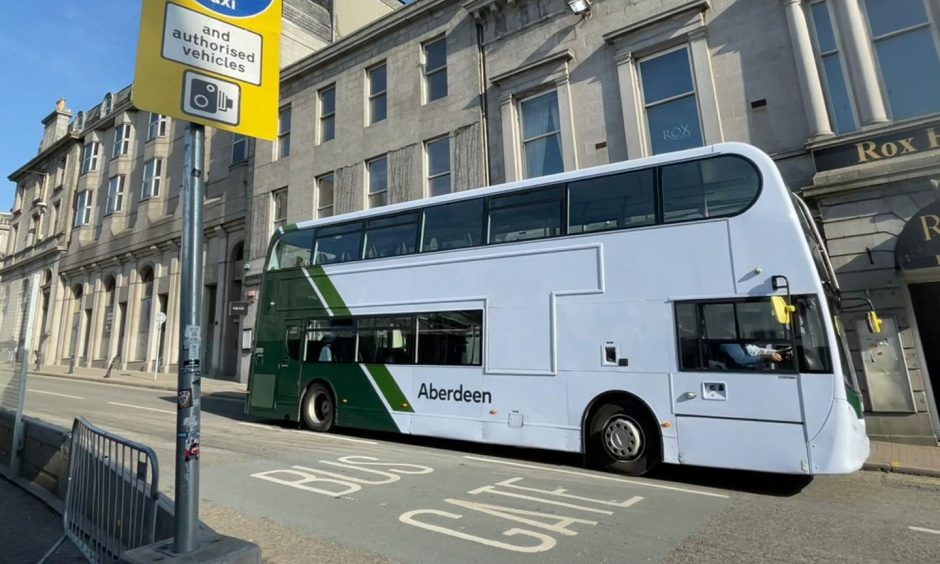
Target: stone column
(817, 117)
(511, 160)
(630, 105)
(707, 99)
(861, 63)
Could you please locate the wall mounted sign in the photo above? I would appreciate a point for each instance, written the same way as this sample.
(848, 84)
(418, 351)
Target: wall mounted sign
(887, 146)
(918, 245)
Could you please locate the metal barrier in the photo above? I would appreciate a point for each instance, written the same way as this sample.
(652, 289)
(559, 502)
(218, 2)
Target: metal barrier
(111, 503)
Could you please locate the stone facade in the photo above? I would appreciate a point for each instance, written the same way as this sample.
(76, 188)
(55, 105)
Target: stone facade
(97, 219)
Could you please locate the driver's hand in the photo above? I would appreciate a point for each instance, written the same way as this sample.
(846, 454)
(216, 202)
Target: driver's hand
(774, 356)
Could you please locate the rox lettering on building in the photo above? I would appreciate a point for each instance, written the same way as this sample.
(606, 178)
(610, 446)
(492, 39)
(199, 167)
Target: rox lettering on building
(428, 391)
(906, 141)
(918, 245)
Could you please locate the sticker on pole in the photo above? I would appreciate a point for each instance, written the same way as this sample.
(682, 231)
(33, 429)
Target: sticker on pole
(213, 98)
(184, 398)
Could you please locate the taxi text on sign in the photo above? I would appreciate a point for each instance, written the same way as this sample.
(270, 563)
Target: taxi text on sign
(213, 62)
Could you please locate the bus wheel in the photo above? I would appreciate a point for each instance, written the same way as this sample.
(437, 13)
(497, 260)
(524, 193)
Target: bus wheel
(622, 438)
(318, 409)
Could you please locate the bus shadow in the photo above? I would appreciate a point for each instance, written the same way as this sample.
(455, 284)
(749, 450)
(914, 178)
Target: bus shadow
(743, 481)
(231, 406)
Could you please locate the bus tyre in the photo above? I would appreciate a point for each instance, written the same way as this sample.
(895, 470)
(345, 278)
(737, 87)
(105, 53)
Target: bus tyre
(623, 438)
(318, 409)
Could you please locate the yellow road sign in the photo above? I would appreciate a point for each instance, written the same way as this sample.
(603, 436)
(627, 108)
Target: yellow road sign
(213, 62)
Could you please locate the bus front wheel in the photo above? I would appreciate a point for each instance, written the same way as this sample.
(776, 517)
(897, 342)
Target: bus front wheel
(318, 409)
(623, 438)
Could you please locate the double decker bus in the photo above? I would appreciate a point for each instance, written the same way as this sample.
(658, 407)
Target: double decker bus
(676, 309)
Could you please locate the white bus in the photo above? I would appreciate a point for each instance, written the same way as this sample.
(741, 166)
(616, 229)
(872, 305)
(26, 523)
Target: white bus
(675, 309)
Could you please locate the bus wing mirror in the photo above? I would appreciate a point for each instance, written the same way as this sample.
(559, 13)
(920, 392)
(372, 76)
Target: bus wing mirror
(874, 322)
(782, 309)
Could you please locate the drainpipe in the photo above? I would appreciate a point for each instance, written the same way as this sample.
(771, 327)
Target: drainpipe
(481, 52)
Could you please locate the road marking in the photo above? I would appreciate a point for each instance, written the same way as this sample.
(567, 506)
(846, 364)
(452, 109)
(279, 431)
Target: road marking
(597, 476)
(337, 437)
(54, 394)
(266, 427)
(140, 407)
(923, 530)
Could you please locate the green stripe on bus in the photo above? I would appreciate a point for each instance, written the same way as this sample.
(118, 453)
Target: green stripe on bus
(386, 382)
(328, 291)
(855, 400)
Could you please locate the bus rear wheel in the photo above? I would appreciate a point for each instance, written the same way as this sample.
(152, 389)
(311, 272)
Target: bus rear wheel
(318, 408)
(623, 438)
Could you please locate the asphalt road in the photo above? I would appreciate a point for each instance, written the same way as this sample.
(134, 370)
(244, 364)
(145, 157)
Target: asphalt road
(362, 497)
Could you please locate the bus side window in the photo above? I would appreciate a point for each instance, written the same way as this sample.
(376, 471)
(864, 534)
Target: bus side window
(687, 332)
(716, 187)
(338, 243)
(526, 216)
(293, 342)
(453, 226)
(612, 202)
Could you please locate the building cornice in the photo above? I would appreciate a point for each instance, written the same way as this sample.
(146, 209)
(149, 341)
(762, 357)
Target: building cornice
(388, 23)
(559, 57)
(691, 6)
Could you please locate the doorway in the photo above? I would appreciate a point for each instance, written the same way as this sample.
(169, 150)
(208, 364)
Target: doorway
(926, 301)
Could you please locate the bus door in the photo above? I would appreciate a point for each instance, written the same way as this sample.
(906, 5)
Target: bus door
(290, 364)
(736, 392)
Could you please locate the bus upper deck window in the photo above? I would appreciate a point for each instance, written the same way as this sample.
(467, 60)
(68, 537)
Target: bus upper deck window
(292, 250)
(714, 187)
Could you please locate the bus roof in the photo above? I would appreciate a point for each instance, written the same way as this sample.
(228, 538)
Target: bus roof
(678, 156)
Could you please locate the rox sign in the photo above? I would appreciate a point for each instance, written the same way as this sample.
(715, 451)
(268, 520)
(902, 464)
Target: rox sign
(918, 245)
(902, 142)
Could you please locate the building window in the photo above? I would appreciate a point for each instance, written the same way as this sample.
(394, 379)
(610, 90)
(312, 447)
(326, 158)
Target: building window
(907, 55)
(283, 133)
(53, 219)
(541, 135)
(61, 170)
(145, 306)
(239, 148)
(122, 140)
(438, 166)
(11, 245)
(378, 101)
(833, 67)
(325, 195)
(83, 208)
(669, 99)
(435, 69)
(90, 157)
(33, 231)
(378, 182)
(279, 202)
(153, 170)
(157, 127)
(327, 114)
(115, 194)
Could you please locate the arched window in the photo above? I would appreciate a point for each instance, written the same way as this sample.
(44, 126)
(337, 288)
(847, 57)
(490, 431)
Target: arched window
(107, 104)
(145, 306)
(107, 323)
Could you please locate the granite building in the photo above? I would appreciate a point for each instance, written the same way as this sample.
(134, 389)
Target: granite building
(448, 95)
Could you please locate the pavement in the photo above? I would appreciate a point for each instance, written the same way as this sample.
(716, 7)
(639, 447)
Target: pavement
(159, 381)
(29, 529)
(906, 459)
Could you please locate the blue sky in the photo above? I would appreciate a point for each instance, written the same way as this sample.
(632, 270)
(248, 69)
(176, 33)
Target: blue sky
(51, 49)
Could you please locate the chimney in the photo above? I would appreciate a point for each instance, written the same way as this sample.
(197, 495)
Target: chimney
(56, 125)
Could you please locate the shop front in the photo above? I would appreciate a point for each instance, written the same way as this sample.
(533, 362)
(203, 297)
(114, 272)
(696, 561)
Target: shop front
(876, 196)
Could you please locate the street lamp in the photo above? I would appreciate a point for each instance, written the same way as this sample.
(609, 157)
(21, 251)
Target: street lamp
(579, 7)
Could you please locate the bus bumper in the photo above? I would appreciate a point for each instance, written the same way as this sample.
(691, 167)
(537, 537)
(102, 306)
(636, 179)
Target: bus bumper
(841, 446)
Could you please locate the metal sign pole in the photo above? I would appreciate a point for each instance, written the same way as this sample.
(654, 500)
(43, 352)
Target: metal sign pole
(187, 414)
(29, 313)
